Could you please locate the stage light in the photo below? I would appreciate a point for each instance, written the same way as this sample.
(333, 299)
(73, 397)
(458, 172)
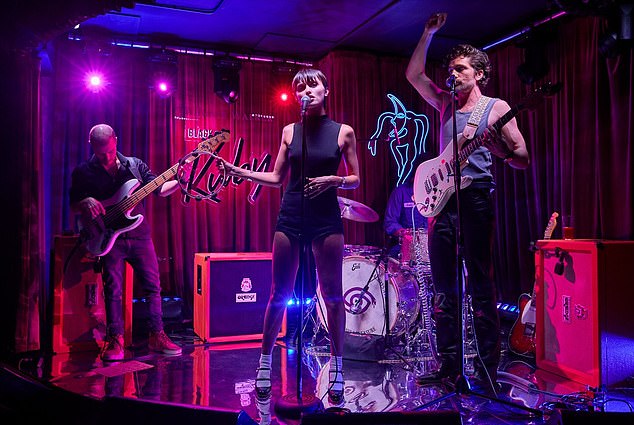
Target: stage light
(535, 65)
(95, 81)
(227, 78)
(163, 72)
(281, 77)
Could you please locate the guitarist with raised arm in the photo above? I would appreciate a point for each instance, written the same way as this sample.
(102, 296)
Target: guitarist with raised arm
(101, 182)
(470, 69)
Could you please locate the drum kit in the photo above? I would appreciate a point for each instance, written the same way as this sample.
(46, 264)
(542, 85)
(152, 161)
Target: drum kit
(403, 315)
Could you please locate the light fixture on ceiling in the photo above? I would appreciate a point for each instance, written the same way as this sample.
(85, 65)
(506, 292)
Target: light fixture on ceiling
(163, 72)
(227, 78)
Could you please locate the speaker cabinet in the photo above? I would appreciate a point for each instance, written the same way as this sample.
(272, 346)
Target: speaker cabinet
(584, 296)
(79, 316)
(231, 291)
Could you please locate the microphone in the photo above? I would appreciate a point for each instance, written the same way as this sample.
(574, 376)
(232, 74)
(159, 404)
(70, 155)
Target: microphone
(451, 81)
(305, 101)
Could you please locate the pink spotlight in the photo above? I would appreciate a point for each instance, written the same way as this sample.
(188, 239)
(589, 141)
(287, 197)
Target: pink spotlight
(163, 87)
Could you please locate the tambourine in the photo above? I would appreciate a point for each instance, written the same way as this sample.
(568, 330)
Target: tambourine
(193, 167)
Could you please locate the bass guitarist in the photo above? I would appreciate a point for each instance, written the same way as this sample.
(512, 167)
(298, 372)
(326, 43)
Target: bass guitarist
(469, 70)
(104, 175)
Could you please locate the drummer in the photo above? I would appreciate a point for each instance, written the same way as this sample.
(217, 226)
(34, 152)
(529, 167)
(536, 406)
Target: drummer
(401, 214)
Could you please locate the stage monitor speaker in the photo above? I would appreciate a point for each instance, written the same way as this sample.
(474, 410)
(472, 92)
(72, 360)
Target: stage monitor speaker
(133, 411)
(584, 296)
(231, 291)
(79, 316)
(384, 418)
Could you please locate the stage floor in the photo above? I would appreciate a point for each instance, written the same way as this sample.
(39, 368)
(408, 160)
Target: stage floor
(222, 376)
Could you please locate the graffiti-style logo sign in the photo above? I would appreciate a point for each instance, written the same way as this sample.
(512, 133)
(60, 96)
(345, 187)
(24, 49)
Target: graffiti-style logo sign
(205, 184)
(406, 132)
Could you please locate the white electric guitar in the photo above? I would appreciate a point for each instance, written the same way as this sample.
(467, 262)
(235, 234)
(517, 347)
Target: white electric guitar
(99, 234)
(434, 182)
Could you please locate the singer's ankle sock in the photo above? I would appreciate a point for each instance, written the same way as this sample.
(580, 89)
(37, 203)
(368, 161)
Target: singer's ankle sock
(336, 373)
(263, 377)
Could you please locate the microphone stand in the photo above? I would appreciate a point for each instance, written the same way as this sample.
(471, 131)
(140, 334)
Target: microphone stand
(289, 406)
(462, 386)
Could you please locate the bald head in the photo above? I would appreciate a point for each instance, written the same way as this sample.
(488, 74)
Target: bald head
(103, 141)
(101, 134)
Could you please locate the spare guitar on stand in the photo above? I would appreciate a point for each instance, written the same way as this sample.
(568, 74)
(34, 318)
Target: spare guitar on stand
(522, 335)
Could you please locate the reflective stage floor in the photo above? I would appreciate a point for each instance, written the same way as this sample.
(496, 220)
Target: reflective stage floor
(221, 376)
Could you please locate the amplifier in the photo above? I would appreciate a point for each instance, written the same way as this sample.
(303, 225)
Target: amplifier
(79, 316)
(583, 304)
(231, 291)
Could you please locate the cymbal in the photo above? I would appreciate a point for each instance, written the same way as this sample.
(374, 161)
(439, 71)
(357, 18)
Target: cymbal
(356, 211)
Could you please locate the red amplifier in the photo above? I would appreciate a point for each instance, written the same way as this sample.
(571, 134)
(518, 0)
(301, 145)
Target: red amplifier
(584, 296)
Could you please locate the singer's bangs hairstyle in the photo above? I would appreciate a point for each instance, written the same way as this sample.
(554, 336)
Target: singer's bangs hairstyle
(309, 75)
(478, 59)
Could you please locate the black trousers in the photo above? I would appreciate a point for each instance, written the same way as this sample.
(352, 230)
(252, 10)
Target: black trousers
(477, 230)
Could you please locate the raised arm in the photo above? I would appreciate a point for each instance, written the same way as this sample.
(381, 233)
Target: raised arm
(416, 73)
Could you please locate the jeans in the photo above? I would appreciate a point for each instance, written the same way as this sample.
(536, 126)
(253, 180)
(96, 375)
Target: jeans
(141, 255)
(477, 230)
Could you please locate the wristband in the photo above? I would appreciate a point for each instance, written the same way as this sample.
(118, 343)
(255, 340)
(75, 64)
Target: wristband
(343, 182)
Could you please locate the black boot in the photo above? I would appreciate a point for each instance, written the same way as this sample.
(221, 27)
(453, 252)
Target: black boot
(446, 375)
(447, 340)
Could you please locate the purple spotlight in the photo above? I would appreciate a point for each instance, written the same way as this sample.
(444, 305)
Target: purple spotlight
(163, 86)
(95, 82)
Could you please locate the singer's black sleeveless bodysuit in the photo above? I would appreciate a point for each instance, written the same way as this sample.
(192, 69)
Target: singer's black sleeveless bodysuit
(322, 214)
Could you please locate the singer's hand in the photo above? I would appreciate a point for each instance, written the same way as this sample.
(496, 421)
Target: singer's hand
(435, 22)
(224, 166)
(317, 185)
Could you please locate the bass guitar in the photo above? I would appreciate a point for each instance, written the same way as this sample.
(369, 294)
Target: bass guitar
(522, 335)
(100, 233)
(434, 182)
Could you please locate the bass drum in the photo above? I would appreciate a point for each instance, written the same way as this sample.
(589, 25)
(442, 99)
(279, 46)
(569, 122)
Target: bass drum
(364, 298)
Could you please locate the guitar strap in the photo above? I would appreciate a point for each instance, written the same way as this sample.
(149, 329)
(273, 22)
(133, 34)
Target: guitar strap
(470, 129)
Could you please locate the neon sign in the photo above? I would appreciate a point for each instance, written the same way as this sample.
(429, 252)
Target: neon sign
(205, 184)
(407, 133)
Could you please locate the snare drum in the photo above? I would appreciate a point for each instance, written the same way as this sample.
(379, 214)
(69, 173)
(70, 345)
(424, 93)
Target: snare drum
(410, 241)
(365, 309)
